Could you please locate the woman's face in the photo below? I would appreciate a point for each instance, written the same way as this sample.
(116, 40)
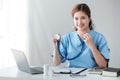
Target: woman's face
(81, 21)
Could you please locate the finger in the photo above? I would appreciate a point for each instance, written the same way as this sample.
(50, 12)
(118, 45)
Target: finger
(54, 40)
(85, 36)
(88, 34)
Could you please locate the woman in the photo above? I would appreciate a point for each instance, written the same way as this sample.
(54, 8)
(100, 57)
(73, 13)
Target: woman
(84, 47)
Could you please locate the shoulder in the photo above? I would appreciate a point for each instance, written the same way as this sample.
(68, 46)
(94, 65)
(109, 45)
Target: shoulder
(98, 37)
(69, 35)
(96, 34)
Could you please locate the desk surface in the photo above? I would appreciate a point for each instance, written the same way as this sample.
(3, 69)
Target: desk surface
(13, 73)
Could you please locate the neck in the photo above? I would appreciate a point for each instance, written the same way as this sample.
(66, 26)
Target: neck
(83, 31)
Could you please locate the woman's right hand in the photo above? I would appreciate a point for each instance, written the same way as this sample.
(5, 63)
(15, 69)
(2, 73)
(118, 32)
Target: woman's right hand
(56, 57)
(54, 40)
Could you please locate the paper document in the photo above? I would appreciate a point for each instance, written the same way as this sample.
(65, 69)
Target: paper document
(95, 71)
(77, 70)
(68, 70)
(62, 70)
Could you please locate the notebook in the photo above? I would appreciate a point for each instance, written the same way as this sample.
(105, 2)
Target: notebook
(23, 64)
(110, 71)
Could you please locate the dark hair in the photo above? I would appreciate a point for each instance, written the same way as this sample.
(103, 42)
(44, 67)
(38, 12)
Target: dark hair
(83, 7)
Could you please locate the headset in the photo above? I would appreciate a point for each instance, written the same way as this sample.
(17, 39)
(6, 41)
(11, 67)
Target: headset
(58, 38)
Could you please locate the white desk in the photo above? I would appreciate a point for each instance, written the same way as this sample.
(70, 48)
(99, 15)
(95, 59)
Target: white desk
(13, 73)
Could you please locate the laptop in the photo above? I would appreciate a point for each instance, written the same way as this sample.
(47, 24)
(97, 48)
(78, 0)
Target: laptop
(23, 64)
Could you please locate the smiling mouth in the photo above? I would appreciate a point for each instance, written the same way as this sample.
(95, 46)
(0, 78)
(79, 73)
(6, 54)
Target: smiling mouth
(81, 25)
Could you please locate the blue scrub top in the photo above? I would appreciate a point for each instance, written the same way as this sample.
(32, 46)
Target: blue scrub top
(78, 54)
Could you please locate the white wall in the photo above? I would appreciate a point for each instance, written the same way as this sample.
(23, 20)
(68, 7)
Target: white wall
(49, 17)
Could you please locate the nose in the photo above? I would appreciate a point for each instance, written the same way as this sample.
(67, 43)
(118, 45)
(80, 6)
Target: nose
(79, 21)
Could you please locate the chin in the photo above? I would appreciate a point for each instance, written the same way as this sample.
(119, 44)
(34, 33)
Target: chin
(81, 29)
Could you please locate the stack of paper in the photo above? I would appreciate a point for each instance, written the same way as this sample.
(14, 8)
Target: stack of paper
(95, 71)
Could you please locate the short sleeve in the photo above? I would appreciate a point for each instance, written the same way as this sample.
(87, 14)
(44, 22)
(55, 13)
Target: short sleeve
(103, 47)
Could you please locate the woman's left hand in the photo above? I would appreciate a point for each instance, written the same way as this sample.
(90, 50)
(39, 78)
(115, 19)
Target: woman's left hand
(88, 40)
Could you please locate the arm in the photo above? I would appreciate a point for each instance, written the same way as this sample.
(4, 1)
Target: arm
(100, 60)
(56, 57)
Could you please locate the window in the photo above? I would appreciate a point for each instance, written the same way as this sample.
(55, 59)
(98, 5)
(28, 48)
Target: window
(13, 21)
(6, 58)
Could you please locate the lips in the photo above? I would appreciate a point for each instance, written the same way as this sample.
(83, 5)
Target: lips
(82, 25)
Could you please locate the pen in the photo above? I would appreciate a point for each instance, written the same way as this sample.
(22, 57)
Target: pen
(81, 71)
(77, 74)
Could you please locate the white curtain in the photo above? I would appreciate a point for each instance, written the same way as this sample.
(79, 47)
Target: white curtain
(13, 29)
(6, 58)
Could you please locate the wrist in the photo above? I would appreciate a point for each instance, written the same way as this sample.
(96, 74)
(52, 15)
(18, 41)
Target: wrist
(93, 48)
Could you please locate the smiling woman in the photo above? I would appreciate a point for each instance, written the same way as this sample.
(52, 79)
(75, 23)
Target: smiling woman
(82, 43)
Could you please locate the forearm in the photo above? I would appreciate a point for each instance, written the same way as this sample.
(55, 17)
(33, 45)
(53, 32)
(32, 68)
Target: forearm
(56, 57)
(100, 60)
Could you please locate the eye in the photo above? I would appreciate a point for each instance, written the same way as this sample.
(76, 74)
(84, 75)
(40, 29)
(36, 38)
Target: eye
(82, 17)
(76, 18)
